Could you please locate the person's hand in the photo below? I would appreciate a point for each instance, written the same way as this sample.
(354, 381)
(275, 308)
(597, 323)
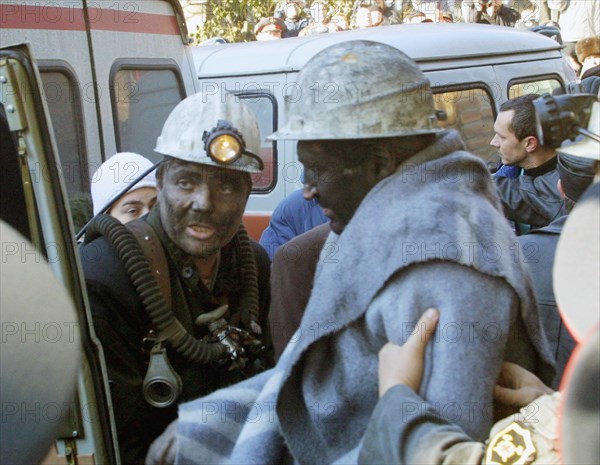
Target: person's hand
(404, 364)
(516, 387)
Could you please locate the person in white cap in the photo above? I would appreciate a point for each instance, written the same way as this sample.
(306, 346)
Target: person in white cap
(180, 305)
(113, 176)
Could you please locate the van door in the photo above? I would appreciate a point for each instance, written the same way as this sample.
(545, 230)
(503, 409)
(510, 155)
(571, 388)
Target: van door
(34, 202)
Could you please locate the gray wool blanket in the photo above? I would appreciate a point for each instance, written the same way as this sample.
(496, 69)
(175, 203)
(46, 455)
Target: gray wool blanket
(432, 234)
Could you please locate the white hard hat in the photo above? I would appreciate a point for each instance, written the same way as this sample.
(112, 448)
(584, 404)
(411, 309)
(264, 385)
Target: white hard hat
(115, 174)
(216, 130)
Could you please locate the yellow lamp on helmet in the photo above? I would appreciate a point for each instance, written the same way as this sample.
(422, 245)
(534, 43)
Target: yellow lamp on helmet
(232, 143)
(223, 143)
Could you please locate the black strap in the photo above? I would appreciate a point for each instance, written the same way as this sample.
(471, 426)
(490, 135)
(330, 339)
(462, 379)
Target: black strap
(155, 254)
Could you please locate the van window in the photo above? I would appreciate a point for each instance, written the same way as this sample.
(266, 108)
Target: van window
(470, 111)
(264, 106)
(142, 98)
(543, 86)
(63, 97)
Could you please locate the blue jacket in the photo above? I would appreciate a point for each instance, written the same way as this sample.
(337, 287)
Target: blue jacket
(293, 216)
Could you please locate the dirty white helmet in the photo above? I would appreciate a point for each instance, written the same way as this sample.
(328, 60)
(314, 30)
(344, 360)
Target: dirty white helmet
(360, 90)
(216, 130)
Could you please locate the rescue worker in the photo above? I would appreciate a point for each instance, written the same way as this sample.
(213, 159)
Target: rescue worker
(414, 195)
(215, 282)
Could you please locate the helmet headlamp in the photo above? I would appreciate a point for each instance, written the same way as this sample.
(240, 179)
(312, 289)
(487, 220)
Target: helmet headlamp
(223, 143)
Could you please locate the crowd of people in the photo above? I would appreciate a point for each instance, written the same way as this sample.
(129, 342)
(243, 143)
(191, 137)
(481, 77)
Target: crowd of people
(575, 23)
(575, 19)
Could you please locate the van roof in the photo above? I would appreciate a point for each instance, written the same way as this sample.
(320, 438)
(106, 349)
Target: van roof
(423, 42)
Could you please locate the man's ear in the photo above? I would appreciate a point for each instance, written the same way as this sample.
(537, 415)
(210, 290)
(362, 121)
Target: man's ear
(531, 144)
(384, 162)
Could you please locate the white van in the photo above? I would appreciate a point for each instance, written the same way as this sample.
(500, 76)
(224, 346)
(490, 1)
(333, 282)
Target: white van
(472, 68)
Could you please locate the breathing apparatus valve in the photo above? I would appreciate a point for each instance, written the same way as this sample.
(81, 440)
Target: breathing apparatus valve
(162, 385)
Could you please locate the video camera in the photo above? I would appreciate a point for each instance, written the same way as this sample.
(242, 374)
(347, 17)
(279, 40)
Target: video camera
(564, 118)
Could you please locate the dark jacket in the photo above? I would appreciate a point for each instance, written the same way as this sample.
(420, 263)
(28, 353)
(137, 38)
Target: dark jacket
(293, 272)
(293, 28)
(121, 324)
(533, 197)
(537, 251)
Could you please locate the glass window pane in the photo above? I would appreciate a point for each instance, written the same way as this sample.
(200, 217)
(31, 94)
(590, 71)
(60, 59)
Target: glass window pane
(62, 96)
(263, 109)
(470, 112)
(546, 86)
(144, 99)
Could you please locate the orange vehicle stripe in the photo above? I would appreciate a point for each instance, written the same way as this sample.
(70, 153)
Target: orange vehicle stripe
(71, 19)
(41, 17)
(132, 21)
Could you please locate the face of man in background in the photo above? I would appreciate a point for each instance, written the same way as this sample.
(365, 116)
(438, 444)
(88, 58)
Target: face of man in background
(133, 204)
(292, 11)
(363, 18)
(512, 151)
(376, 18)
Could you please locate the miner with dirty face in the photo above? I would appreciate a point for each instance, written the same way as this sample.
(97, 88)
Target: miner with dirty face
(213, 279)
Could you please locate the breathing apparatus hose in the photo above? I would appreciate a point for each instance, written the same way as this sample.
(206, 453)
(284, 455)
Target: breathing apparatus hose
(169, 327)
(249, 296)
